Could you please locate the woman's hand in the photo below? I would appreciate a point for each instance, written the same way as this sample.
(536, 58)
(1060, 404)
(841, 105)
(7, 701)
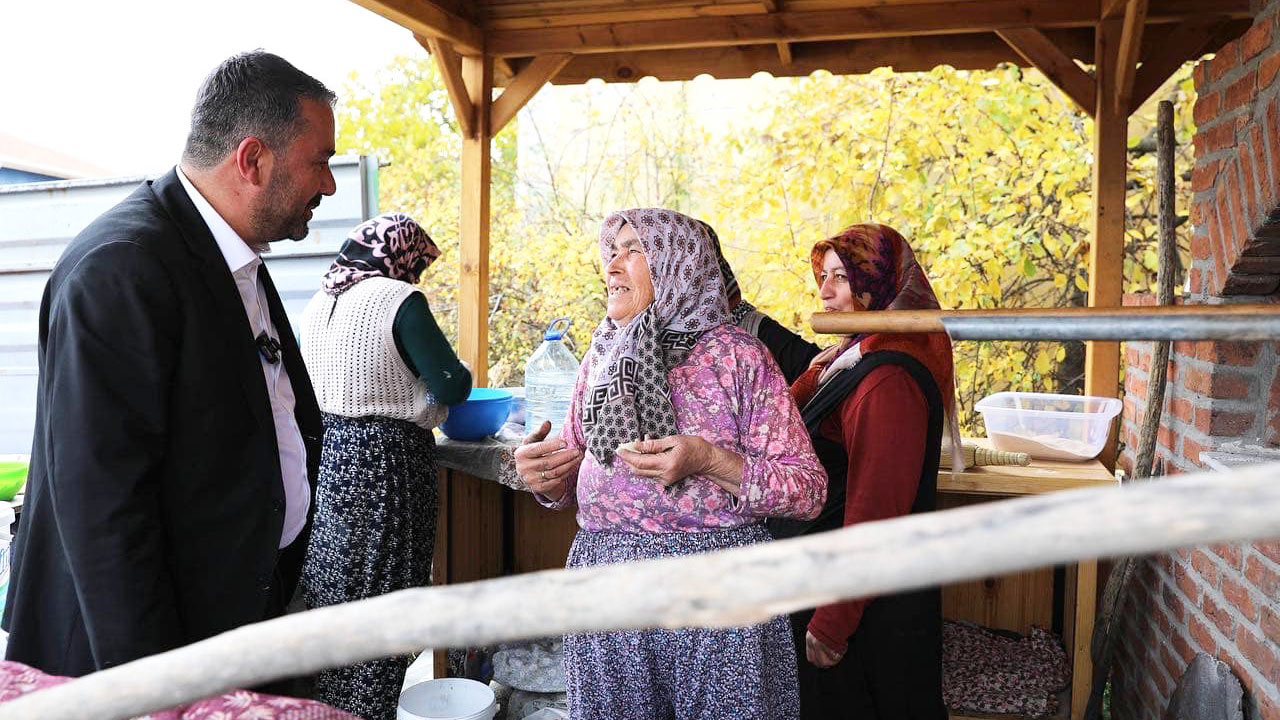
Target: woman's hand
(675, 457)
(818, 653)
(545, 465)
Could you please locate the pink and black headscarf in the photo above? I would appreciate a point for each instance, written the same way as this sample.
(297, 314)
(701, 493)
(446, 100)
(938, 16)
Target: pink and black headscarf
(392, 245)
(627, 397)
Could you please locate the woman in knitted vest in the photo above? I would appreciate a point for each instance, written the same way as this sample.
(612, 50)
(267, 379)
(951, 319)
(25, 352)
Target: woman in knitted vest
(384, 375)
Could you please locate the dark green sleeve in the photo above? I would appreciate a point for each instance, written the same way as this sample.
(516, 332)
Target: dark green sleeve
(427, 353)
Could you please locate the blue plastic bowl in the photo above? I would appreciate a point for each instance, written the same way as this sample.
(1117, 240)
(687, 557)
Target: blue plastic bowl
(479, 416)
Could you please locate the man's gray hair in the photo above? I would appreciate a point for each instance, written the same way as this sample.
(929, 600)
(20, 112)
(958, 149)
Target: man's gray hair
(251, 94)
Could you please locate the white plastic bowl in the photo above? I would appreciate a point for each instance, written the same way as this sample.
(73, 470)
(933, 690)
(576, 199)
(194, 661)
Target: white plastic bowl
(1048, 426)
(447, 699)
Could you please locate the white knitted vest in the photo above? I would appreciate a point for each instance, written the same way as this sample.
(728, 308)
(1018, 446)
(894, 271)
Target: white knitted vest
(350, 352)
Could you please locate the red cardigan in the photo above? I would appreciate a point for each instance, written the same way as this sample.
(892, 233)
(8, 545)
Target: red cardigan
(884, 424)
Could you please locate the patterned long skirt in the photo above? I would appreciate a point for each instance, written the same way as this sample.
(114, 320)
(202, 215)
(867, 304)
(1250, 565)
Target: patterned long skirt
(374, 531)
(743, 673)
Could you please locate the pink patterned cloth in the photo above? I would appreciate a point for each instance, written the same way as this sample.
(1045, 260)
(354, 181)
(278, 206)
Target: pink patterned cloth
(17, 680)
(991, 674)
(729, 392)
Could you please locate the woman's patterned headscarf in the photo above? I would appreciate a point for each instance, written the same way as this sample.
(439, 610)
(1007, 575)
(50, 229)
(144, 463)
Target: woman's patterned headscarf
(392, 245)
(883, 275)
(627, 397)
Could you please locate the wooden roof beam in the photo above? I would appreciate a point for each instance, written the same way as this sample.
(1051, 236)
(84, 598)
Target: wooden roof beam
(450, 65)
(429, 19)
(797, 26)
(1048, 58)
(523, 87)
(1188, 41)
(1135, 20)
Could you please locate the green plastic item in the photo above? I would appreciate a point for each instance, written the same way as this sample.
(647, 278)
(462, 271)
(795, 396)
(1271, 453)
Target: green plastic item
(13, 475)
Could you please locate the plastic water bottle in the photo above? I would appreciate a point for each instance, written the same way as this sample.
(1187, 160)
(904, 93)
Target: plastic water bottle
(548, 379)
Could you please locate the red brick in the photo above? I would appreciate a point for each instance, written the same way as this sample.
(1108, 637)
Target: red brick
(1197, 277)
(1231, 554)
(1258, 652)
(1219, 228)
(1165, 437)
(1269, 132)
(1261, 576)
(1243, 227)
(1200, 74)
(1136, 386)
(1219, 137)
(1270, 623)
(1267, 69)
(1228, 352)
(1201, 636)
(1191, 449)
(1206, 109)
(1240, 91)
(1238, 595)
(1255, 40)
(1182, 409)
(1224, 61)
(1269, 550)
(1230, 424)
(1249, 186)
(1183, 648)
(1266, 183)
(1186, 584)
(1205, 566)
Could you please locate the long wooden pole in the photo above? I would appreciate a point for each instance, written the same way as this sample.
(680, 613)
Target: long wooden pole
(723, 589)
(1147, 323)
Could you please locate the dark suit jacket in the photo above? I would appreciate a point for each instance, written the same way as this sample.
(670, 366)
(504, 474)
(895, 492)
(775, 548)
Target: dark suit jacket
(154, 504)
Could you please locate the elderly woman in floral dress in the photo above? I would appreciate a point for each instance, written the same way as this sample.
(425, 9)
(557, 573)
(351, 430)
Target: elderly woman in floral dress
(718, 447)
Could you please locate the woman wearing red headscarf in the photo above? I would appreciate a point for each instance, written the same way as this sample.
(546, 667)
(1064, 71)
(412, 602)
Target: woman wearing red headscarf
(875, 405)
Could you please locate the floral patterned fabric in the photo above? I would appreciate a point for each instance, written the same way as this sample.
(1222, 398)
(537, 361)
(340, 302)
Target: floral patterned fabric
(393, 245)
(17, 680)
(628, 396)
(983, 672)
(728, 391)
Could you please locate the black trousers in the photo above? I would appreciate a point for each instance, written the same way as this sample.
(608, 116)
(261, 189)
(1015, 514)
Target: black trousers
(885, 675)
(284, 584)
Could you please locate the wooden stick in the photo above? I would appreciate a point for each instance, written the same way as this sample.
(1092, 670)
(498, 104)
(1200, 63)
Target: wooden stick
(729, 588)
(1116, 590)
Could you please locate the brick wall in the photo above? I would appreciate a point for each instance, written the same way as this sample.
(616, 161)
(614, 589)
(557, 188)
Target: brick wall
(1223, 600)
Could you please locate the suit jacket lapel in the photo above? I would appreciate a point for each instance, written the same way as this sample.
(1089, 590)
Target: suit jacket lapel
(228, 307)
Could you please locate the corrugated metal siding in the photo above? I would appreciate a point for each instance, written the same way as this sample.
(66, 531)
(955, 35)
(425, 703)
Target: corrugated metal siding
(38, 220)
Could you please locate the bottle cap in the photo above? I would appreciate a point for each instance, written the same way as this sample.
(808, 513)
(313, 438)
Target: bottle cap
(557, 333)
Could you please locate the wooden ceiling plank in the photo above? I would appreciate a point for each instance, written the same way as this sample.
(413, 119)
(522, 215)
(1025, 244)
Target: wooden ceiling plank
(1111, 8)
(523, 87)
(793, 26)
(450, 65)
(426, 18)
(1049, 59)
(1135, 20)
(965, 52)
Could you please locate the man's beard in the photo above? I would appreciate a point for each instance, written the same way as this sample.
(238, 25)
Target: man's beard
(272, 220)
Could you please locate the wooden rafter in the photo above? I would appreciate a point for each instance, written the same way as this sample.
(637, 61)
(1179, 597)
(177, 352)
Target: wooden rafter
(1135, 20)
(784, 53)
(503, 71)
(1049, 59)
(523, 87)
(429, 19)
(1188, 41)
(450, 65)
(1112, 8)
(806, 26)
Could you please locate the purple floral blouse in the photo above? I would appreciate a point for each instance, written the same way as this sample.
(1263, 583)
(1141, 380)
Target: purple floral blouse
(730, 392)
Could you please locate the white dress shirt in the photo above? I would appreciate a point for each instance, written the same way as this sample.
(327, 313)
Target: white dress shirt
(243, 262)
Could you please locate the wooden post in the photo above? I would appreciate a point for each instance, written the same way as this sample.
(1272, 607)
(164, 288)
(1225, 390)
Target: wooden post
(1106, 252)
(473, 273)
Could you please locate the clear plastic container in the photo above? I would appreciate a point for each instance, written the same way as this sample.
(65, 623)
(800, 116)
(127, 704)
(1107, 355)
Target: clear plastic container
(1048, 426)
(548, 379)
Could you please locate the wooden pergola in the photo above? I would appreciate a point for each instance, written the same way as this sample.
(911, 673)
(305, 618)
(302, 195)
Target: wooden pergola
(1132, 46)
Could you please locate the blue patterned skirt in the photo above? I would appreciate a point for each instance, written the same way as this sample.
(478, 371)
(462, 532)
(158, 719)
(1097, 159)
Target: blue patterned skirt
(743, 673)
(373, 533)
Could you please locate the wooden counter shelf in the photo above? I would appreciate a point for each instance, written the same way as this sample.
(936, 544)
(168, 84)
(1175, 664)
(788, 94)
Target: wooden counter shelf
(1017, 602)
(487, 529)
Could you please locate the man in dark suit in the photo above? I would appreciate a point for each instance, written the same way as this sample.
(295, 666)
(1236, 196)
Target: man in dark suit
(177, 434)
